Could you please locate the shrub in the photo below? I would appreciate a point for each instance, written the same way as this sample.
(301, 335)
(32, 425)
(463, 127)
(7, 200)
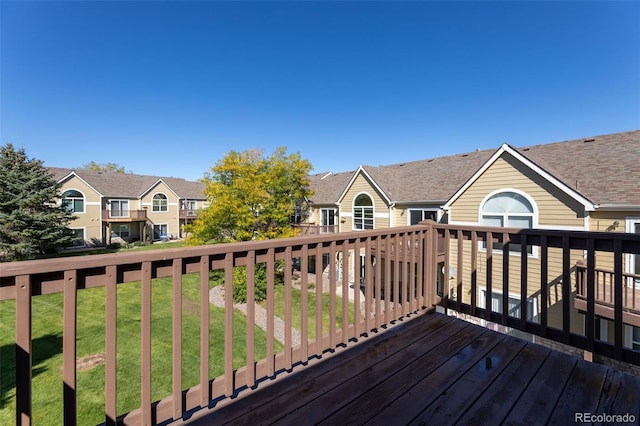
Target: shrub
(240, 283)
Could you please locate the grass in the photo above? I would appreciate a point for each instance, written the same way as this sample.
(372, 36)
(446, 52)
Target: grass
(104, 250)
(47, 349)
(296, 300)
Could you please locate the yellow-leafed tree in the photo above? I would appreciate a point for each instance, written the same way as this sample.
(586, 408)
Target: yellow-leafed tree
(252, 197)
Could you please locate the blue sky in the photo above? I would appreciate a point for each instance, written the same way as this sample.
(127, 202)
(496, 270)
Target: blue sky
(168, 88)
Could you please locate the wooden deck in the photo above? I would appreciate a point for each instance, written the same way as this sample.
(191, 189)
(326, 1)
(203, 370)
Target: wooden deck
(435, 369)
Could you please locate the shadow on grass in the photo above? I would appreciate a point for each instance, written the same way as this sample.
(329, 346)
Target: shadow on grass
(42, 348)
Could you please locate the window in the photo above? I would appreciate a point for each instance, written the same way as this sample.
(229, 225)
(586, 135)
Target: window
(296, 216)
(514, 305)
(633, 260)
(73, 201)
(121, 231)
(327, 220)
(160, 231)
(632, 337)
(160, 203)
(363, 212)
(119, 208)
(78, 237)
(190, 205)
(418, 215)
(508, 209)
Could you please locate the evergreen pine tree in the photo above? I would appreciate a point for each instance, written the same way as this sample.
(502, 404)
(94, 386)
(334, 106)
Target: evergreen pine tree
(32, 221)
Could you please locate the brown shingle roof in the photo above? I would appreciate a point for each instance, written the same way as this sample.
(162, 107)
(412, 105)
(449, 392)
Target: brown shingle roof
(604, 169)
(129, 185)
(327, 187)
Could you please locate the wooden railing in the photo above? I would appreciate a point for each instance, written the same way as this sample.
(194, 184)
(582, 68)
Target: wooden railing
(124, 215)
(313, 229)
(537, 278)
(605, 292)
(188, 213)
(360, 313)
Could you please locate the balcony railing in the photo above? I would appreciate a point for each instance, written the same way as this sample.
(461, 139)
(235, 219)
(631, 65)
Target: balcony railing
(605, 293)
(124, 215)
(188, 214)
(313, 229)
(539, 280)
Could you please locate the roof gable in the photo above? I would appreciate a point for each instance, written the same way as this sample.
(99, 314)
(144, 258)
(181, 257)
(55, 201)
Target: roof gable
(361, 171)
(506, 148)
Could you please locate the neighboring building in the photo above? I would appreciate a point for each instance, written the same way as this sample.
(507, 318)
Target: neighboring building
(590, 184)
(124, 207)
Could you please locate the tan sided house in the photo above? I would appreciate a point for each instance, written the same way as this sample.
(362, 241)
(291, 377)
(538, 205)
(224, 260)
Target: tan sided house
(587, 184)
(124, 207)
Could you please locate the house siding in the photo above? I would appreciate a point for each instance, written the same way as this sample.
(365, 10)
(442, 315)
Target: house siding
(170, 217)
(556, 209)
(90, 220)
(380, 208)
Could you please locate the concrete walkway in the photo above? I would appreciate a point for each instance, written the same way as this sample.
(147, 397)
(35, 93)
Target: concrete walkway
(216, 297)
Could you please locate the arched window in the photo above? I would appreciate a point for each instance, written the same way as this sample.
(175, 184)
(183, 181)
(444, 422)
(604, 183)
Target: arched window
(73, 201)
(508, 209)
(363, 212)
(160, 203)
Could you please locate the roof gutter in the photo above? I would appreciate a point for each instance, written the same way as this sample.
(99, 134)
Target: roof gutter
(617, 207)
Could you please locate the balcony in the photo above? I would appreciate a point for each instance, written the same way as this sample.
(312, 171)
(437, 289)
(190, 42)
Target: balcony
(313, 229)
(124, 215)
(377, 361)
(605, 286)
(188, 214)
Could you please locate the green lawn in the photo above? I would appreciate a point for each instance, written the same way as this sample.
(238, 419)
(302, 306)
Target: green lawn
(296, 300)
(47, 349)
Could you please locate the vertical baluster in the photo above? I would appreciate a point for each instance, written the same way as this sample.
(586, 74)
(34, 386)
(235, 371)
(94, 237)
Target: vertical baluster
(544, 284)
(566, 289)
(69, 346)
(319, 306)
(332, 295)
(474, 272)
(524, 275)
(459, 269)
(356, 288)
(145, 343)
(590, 314)
(204, 324)
(378, 283)
(111, 315)
(251, 318)
(228, 324)
(24, 355)
(617, 306)
(271, 311)
(505, 277)
(387, 278)
(288, 311)
(304, 302)
(489, 277)
(176, 333)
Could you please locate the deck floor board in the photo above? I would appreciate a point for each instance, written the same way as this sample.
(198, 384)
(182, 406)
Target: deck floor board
(435, 370)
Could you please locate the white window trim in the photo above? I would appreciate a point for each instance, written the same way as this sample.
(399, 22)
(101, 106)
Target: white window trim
(120, 200)
(84, 236)
(630, 260)
(534, 220)
(153, 206)
(425, 209)
(628, 336)
(84, 200)
(159, 224)
(483, 300)
(353, 206)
